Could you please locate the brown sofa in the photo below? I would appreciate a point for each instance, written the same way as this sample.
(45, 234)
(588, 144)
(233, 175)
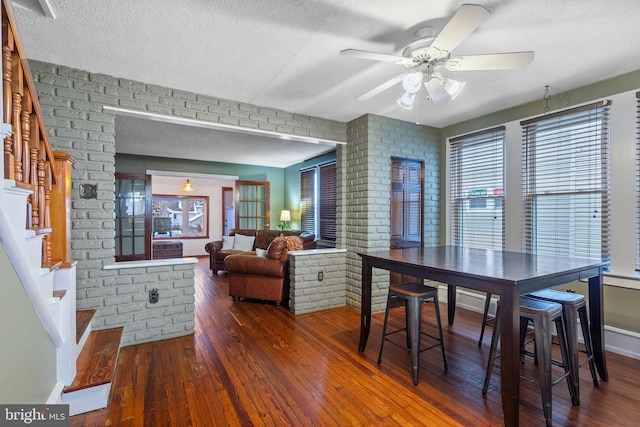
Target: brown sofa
(263, 238)
(260, 278)
(264, 277)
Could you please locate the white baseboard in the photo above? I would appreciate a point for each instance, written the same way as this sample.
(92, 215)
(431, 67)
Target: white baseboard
(620, 341)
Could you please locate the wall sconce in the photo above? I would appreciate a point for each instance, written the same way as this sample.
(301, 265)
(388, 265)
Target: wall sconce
(187, 186)
(285, 216)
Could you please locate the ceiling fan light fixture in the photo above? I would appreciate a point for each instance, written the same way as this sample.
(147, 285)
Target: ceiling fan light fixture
(437, 93)
(442, 89)
(406, 100)
(412, 81)
(453, 87)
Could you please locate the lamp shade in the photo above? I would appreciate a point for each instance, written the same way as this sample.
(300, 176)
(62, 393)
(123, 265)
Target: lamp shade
(285, 215)
(442, 89)
(406, 101)
(453, 87)
(411, 82)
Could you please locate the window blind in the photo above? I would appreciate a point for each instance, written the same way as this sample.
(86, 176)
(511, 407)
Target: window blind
(318, 200)
(327, 202)
(308, 200)
(477, 189)
(566, 182)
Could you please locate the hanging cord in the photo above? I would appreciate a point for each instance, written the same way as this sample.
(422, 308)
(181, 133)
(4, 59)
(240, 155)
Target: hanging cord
(546, 98)
(417, 109)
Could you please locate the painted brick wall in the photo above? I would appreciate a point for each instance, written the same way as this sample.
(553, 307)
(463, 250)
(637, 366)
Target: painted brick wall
(364, 198)
(307, 293)
(124, 300)
(72, 103)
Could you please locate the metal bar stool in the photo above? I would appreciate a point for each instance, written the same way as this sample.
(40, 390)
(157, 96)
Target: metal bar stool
(541, 314)
(573, 306)
(413, 294)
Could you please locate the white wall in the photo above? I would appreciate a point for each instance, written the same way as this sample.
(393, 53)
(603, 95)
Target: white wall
(212, 188)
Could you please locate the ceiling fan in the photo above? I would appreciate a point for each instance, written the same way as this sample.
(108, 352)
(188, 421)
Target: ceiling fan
(422, 57)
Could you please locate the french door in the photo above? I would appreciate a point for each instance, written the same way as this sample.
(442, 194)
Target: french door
(252, 209)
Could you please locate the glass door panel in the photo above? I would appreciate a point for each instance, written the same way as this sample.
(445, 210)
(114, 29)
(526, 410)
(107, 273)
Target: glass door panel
(133, 219)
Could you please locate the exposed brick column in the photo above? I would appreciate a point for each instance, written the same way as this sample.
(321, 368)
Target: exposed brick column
(364, 197)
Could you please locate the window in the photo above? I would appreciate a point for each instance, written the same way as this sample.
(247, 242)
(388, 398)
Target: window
(318, 200)
(566, 183)
(180, 216)
(477, 189)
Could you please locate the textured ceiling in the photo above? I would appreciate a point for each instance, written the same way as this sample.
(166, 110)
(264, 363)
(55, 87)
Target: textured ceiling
(283, 54)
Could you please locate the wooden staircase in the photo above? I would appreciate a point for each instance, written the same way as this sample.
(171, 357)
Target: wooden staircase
(96, 366)
(35, 219)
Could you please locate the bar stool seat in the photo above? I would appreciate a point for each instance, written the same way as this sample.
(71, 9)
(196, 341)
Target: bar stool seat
(541, 314)
(413, 294)
(573, 307)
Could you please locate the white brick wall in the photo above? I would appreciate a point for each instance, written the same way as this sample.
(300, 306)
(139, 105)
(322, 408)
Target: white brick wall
(308, 293)
(364, 210)
(72, 104)
(124, 297)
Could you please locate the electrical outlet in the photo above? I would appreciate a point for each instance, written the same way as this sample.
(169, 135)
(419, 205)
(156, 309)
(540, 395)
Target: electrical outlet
(154, 296)
(320, 276)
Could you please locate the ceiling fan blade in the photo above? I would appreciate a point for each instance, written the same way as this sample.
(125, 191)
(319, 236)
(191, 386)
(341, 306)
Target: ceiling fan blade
(495, 61)
(380, 88)
(376, 56)
(464, 22)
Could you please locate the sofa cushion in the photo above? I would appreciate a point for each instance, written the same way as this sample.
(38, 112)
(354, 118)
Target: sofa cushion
(276, 249)
(261, 252)
(227, 242)
(226, 252)
(251, 267)
(243, 243)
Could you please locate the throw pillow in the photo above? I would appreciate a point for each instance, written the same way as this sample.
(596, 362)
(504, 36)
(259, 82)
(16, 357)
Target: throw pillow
(261, 252)
(294, 243)
(227, 242)
(243, 243)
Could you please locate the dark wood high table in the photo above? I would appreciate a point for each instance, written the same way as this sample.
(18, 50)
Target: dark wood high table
(506, 274)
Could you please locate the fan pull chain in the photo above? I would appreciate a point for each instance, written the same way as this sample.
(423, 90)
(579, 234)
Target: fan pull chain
(546, 98)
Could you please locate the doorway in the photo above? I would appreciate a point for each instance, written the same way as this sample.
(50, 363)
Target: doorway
(407, 208)
(228, 218)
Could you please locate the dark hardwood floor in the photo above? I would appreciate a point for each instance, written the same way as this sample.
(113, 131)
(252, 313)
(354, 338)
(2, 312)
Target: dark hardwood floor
(252, 363)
